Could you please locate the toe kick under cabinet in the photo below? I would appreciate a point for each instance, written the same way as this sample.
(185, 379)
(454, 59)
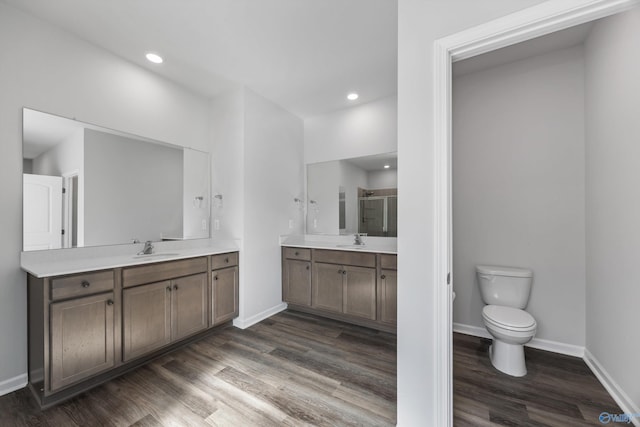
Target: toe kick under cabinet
(89, 327)
(356, 287)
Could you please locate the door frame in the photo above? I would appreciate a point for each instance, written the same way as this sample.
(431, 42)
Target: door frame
(536, 21)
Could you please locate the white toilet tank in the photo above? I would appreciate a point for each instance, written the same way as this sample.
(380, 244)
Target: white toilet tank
(507, 286)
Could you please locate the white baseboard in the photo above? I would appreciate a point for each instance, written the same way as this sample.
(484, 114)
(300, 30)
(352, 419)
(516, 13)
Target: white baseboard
(245, 323)
(13, 384)
(540, 344)
(616, 392)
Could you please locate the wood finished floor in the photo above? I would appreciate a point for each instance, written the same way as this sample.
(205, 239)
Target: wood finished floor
(558, 390)
(289, 370)
(296, 369)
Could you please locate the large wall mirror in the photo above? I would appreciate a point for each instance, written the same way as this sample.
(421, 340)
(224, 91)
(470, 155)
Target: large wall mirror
(84, 185)
(358, 195)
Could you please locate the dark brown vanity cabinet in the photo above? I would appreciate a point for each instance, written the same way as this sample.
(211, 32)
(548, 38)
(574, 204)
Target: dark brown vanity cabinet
(87, 328)
(388, 289)
(224, 288)
(357, 287)
(73, 328)
(157, 312)
(296, 276)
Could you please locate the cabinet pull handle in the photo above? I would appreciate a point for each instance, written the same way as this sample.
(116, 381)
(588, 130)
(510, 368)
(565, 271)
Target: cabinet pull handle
(215, 277)
(169, 288)
(110, 302)
(85, 284)
(175, 286)
(383, 277)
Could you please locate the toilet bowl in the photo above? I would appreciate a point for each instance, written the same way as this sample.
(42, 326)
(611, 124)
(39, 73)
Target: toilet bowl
(511, 329)
(506, 291)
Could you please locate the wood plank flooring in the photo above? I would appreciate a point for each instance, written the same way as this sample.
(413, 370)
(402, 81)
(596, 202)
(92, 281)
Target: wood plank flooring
(297, 369)
(289, 370)
(558, 390)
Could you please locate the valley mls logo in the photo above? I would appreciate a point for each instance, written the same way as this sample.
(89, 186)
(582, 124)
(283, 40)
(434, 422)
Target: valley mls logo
(606, 418)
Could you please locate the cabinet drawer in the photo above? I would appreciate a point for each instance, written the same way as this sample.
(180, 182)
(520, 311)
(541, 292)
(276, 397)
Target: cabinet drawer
(158, 272)
(389, 262)
(363, 259)
(297, 253)
(81, 284)
(224, 260)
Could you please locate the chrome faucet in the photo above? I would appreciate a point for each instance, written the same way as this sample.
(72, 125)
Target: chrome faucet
(358, 240)
(148, 248)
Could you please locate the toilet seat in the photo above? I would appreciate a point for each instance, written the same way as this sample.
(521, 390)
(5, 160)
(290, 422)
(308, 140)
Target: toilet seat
(508, 318)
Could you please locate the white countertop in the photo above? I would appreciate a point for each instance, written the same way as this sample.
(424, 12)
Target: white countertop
(383, 245)
(80, 260)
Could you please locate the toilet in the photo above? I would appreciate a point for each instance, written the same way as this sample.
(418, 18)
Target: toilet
(506, 291)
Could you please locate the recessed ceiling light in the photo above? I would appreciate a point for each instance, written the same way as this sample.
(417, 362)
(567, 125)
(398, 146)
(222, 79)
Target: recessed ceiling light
(155, 58)
(387, 166)
(352, 96)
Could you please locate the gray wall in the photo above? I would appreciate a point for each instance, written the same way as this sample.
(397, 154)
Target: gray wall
(87, 83)
(133, 189)
(518, 186)
(613, 205)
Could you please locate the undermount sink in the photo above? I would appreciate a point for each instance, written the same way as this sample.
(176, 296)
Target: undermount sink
(351, 246)
(154, 256)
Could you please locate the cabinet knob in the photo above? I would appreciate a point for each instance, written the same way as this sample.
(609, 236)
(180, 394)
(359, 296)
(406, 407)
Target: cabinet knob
(383, 277)
(85, 284)
(169, 288)
(226, 260)
(344, 272)
(215, 277)
(296, 253)
(175, 286)
(339, 271)
(110, 302)
(307, 267)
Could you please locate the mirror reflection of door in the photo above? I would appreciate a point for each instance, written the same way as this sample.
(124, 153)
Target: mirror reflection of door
(372, 217)
(42, 208)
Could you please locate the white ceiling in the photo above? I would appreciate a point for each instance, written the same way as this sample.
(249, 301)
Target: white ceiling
(376, 162)
(304, 55)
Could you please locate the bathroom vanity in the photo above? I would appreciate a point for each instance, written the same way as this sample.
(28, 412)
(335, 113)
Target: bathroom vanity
(340, 282)
(88, 326)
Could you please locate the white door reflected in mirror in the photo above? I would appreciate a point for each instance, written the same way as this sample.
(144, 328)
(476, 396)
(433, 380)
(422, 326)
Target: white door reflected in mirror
(42, 207)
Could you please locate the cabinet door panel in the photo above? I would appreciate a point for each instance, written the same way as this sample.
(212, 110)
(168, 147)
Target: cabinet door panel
(388, 296)
(297, 282)
(82, 338)
(360, 292)
(146, 318)
(327, 286)
(225, 295)
(189, 313)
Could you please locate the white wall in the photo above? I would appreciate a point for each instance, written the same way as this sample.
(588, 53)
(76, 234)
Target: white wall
(613, 206)
(132, 190)
(362, 130)
(518, 186)
(227, 165)
(49, 70)
(258, 168)
(323, 184)
(273, 178)
(387, 178)
(421, 22)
